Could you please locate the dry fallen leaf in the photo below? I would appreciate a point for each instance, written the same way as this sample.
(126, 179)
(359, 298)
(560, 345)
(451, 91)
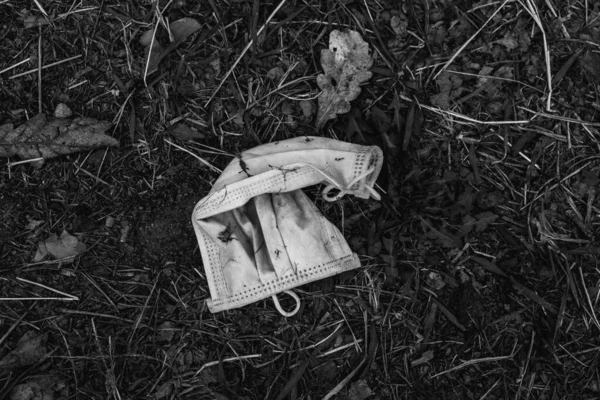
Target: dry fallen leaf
(39, 137)
(155, 52)
(38, 387)
(183, 132)
(33, 21)
(442, 236)
(425, 358)
(450, 86)
(359, 390)
(165, 332)
(468, 223)
(510, 41)
(346, 65)
(164, 390)
(307, 108)
(30, 349)
(216, 66)
(399, 24)
(33, 224)
(275, 74)
(63, 248)
(484, 219)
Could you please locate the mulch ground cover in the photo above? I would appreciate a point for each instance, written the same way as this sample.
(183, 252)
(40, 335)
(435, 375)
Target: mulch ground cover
(480, 274)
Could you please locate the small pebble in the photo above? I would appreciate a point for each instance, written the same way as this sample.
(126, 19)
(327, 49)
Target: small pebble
(62, 111)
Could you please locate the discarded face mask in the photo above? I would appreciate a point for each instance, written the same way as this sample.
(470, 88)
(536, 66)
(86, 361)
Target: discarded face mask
(260, 234)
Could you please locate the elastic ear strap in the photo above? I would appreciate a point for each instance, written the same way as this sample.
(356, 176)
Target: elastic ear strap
(343, 191)
(278, 306)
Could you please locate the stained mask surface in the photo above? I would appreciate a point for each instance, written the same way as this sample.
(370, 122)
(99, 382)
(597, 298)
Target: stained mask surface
(260, 235)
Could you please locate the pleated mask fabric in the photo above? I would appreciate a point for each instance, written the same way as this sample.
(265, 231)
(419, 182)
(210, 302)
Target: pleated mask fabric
(258, 232)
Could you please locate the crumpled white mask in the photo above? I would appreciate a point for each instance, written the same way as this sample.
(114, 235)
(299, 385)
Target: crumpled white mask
(258, 232)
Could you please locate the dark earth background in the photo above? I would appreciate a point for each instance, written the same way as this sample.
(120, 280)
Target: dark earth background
(480, 275)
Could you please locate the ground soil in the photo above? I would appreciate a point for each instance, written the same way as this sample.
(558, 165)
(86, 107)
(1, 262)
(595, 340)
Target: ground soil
(479, 275)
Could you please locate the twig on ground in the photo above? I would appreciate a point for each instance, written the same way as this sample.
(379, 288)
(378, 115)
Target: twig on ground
(468, 120)
(237, 358)
(40, 58)
(15, 325)
(15, 65)
(54, 64)
(68, 296)
(39, 6)
(560, 117)
(474, 362)
(202, 160)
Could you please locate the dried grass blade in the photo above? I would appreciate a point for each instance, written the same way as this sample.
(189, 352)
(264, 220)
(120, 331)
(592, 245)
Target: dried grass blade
(449, 315)
(344, 382)
(293, 381)
(237, 61)
(291, 384)
(202, 160)
(411, 122)
(591, 311)
(566, 67)
(468, 41)
(31, 71)
(489, 266)
(67, 296)
(473, 362)
(531, 8)
(561, 315)
(534, 296)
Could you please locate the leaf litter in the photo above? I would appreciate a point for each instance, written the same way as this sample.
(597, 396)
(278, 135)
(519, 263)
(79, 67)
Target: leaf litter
(522, 196)
(30, 349)
(64, 248)
(346, 64)
(183, 131)
(39, 387)
(450, 88)
(43, 138)
(179, 31)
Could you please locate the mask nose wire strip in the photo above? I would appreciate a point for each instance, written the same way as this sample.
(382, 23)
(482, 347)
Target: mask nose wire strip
(278, 306)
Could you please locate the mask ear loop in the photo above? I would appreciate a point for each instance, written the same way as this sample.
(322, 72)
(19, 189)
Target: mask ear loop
(342, 192)
(278, 306)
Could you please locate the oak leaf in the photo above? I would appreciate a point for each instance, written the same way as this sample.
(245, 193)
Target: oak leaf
(346, 65)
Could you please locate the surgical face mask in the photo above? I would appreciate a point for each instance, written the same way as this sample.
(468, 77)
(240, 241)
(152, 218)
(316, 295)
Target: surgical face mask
(258, 232)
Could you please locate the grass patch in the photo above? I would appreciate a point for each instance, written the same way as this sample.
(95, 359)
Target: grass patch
(480, 275)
